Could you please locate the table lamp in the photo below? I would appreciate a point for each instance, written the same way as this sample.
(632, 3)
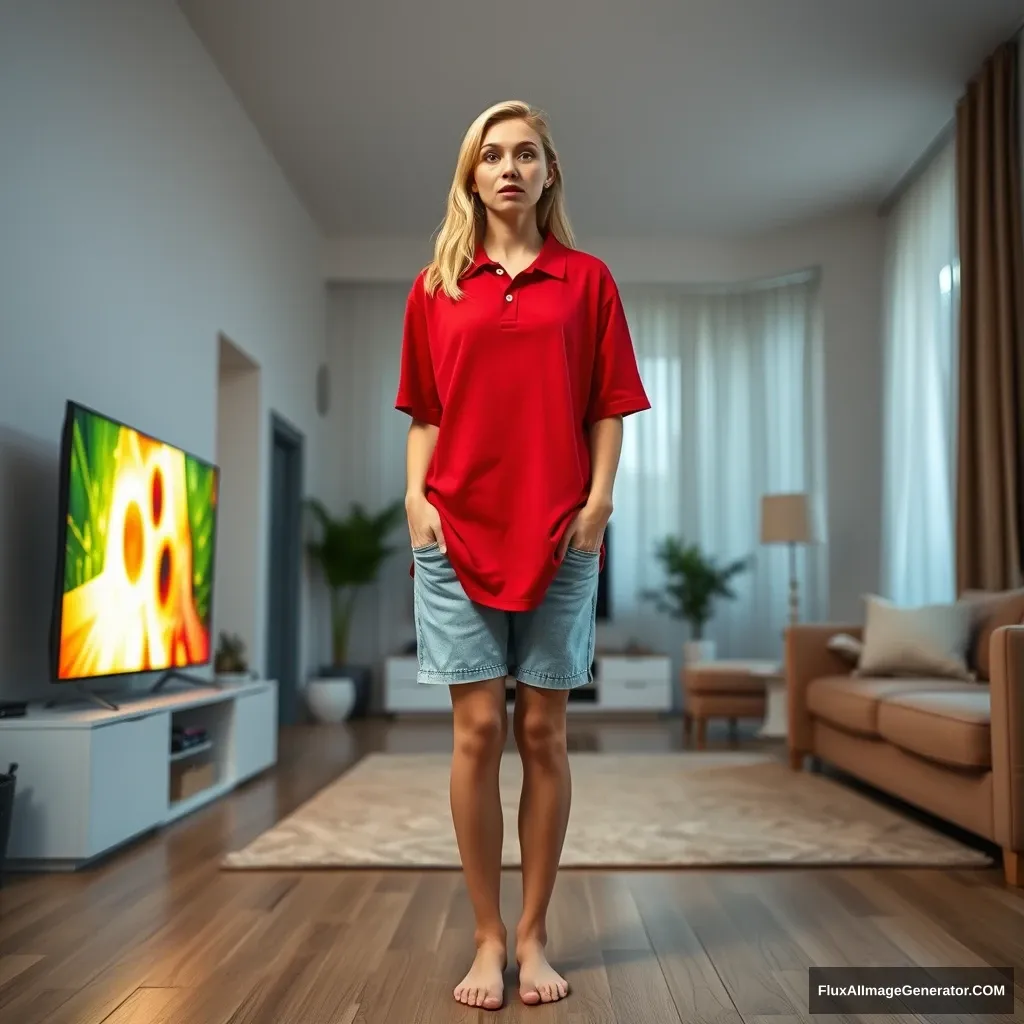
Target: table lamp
(785, 519)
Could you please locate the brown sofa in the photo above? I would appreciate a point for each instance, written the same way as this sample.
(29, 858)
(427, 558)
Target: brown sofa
(954, 748)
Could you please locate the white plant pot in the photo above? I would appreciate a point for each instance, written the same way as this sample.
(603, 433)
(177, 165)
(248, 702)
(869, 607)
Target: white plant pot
(331, 700)
(696, 651)
(233, 678)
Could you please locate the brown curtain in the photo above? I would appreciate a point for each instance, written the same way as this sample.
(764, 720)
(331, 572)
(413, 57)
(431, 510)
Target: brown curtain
(990, 459)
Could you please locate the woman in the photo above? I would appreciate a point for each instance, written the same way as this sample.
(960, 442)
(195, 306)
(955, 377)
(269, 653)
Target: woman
(517, 368)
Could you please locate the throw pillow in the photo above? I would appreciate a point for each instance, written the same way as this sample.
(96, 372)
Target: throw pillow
(849, 648)
(991, 609)
(929, 640)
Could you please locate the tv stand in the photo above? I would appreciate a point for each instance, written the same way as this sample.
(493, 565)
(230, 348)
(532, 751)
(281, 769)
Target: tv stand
(173, 673)
(89, 695)
(92, 780)
(623, 683)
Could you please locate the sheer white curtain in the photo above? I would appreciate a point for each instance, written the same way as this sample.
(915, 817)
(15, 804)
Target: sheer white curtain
(734, 376)
(922, 302)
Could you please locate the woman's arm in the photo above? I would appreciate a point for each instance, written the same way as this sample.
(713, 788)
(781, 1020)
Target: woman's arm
(419, 450)
(424, 520)
(587, 530)
(605, 449)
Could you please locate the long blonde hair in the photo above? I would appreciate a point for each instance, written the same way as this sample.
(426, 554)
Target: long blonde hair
(465, 219)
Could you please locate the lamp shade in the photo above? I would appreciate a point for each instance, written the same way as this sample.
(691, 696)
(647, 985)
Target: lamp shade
(785, 519)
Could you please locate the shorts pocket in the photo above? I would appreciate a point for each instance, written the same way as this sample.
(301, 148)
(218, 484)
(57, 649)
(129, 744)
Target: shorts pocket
(426, 547)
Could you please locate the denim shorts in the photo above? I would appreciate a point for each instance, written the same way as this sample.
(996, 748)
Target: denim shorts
(461, 641)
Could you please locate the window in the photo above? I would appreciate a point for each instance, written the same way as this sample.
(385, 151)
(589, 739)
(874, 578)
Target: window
(920, 398)
(734, 378)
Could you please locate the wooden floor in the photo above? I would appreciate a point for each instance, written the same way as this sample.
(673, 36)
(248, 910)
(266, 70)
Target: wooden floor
(158, 934)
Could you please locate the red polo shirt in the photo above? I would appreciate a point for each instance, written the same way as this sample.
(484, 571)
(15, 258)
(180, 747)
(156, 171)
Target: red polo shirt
(513, 374)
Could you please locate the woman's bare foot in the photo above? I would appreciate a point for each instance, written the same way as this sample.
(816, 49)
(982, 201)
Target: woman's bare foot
(539, 982)
(484, 984)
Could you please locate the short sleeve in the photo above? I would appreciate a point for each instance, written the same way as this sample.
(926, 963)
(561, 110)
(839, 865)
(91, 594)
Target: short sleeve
(417, 390)
(616, 387)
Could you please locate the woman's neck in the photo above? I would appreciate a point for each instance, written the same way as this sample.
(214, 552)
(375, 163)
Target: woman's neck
(504, 239)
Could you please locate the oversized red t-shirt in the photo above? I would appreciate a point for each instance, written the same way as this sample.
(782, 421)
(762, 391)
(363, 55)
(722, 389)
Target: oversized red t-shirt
(513, 374)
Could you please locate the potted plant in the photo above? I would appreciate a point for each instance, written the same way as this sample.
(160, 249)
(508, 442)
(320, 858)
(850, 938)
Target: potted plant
(230, 663)
(349, 552)
(695, 581)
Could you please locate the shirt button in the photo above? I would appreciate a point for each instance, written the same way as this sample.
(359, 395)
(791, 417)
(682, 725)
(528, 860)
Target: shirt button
(500, 271)
(508, 298)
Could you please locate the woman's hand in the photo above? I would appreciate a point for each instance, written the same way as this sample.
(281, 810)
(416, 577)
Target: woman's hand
(586, 532)
(424, 522)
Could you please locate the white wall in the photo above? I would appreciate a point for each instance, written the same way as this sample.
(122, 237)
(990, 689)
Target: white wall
(141, 215)
(367, 462)
(847, 249)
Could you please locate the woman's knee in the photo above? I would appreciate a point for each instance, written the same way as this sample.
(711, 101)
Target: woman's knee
(481, 733)
(480, 720)
(540, 735)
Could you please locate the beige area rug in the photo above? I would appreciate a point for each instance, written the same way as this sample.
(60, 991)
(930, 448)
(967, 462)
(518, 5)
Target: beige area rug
(629, 810)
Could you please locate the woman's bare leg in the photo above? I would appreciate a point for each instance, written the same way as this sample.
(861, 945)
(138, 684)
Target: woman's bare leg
(539, 726)
(480, 729)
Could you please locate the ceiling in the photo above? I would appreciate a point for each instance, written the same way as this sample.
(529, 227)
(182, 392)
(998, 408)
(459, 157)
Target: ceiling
(694, 117)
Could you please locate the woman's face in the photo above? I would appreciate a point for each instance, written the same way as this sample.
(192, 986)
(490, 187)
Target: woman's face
(512, 170)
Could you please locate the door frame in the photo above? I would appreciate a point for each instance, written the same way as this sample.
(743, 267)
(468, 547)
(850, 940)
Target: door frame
(281, 428)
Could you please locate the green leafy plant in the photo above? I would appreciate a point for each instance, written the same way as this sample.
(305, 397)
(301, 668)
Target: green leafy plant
(230, 656)
(694, 582)
(349, 552)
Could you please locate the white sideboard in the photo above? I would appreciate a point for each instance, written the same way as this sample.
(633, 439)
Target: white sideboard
(622, 683)
(90, 780)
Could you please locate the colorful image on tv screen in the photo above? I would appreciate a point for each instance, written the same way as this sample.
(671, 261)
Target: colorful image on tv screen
(139, 551)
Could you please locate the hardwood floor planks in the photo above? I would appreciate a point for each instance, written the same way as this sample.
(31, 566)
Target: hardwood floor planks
(159, 934)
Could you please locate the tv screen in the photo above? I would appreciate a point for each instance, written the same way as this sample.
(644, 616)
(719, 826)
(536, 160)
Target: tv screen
(135, 565)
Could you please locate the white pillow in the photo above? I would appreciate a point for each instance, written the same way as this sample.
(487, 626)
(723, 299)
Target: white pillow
(849, 648)
(928, 640)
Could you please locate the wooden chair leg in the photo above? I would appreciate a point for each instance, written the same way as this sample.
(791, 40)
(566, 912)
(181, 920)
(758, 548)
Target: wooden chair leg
(1013, 867)
(702, 733)
(796, 760)
(687, 728)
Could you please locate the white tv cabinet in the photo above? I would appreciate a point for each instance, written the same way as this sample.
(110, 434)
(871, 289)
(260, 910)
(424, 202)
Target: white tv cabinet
(90, 780)
(622, 683)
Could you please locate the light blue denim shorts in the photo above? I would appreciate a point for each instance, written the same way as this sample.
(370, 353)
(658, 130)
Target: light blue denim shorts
(461, 641)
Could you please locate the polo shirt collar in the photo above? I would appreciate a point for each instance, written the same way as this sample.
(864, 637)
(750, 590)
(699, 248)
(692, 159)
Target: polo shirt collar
(550, 260)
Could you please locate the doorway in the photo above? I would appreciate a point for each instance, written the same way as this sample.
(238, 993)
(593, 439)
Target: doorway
(285, 563)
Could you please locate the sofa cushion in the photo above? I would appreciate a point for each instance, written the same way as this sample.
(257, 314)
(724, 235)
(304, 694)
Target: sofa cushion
(951, 726)
(852, 702)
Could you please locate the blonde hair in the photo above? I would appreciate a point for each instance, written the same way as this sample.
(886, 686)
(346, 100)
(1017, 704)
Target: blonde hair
(465, 219)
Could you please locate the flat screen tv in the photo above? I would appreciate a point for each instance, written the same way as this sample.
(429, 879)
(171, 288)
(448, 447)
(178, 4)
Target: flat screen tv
(135, 552)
